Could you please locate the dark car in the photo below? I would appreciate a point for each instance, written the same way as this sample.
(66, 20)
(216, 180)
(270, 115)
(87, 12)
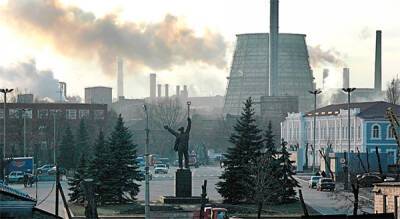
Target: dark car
(313, 181)
(369, 179)
(325, 184)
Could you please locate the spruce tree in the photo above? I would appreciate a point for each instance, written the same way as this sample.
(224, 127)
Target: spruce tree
(82, 142)
(123, 164)
(66, 150)
(236, 185)
(100, 169)
(80, 174)
(287, 182)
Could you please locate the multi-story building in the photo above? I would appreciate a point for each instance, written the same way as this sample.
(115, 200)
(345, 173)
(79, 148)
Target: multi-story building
(40, 119)
(130, 109)
(368, 128)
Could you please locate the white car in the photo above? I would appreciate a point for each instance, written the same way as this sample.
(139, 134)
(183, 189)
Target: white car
(15, 177)
(160, 169)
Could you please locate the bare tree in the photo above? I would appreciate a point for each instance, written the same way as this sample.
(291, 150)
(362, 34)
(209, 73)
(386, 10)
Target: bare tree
(393, 91)
(167, 112)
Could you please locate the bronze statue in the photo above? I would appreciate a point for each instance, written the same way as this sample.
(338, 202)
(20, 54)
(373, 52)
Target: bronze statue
(182, 142)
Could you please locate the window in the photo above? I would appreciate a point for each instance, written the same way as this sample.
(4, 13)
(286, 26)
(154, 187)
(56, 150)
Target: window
(13, 114)
(390, 133)
(1, 113)
(375, 131)
(99, 114)
(83, 114)
(71, 114)
(43, 113)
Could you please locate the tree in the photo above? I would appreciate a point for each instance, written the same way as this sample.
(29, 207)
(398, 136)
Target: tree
(287, 182)
(123, 165)
(271, 155)
(247, 143)
(82, 141)
(393, 91)
(66, 151)
(80, 174)
(100, 169)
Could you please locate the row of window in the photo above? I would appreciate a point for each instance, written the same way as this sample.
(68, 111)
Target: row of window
(376, 132)
(45, 113)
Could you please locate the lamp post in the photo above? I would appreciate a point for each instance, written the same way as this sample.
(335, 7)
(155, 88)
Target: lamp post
(348, 91)
(315, 93)
(4, 91)
(146, 156)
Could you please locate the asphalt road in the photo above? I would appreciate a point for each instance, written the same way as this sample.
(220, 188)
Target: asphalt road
(160, 185)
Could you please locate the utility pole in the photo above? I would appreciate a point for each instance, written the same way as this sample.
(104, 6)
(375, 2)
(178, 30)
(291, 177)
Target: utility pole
(315, 93)
(146, 177)
(348, 91)
(4, 91)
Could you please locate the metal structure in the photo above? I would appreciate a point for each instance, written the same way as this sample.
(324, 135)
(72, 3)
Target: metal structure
(315, 93)
(348, 91)
(5, 91)
(249, 72)
(146, 157)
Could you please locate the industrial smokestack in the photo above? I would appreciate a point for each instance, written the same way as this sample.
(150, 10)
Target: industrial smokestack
(178, 90)
(185, 93)
(273, 47)
(153, 83)
(378, 61)
(346, 78)
(166, 90)
(159, 90)
(120, 75)
(324, 77)
(63, 91)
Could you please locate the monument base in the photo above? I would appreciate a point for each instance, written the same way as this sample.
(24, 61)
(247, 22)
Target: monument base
(181, 200)
(183, 183)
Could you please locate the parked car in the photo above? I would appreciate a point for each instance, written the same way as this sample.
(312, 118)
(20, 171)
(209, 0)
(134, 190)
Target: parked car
(312, 183)
(15, 177)
(325, 183)
(368, 179)
(164, 161)
(45, 168)
(142, 173)
(52, 171)
(160, 169)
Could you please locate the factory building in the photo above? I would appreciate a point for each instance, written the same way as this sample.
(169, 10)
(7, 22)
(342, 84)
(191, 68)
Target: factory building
(249, 74)
(99, 95)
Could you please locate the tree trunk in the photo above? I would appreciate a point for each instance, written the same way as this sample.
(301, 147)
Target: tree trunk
(260, 205)
(355, 188)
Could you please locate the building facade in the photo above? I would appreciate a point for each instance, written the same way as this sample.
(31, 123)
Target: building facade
(368, 129)
(99, 95)
(249, 73)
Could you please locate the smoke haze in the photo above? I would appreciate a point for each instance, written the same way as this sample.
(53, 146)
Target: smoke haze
(76, 33)
(24, 75)
(320, 57)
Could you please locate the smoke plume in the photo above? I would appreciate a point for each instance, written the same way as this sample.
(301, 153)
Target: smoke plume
(78, 33)
(24, 75)
(320, 57)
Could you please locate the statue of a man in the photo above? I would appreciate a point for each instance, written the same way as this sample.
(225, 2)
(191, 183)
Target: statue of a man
(182, 142)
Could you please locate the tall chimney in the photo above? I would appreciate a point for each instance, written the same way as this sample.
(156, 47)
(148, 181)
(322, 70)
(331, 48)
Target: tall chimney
(158, 90)
(120, 75)
(273, 47)
(378, 61)
(346, 78)
(178, 90)
(324, 77)
(166, 90)
(185, 93)
(153, 83)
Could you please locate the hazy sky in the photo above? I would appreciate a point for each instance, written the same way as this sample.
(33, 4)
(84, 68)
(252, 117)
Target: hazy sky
(185, 42)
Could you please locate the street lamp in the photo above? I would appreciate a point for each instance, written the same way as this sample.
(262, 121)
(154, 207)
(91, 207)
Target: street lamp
(348, 91)
(146, 177)
(315, 93)
(4, 91)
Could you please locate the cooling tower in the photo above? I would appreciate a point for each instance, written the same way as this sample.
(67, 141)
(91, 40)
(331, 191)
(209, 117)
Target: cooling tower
(378, 61)
(249, 74)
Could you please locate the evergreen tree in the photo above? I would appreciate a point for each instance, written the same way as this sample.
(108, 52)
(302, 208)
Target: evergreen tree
(287, 182)
(66, 150)
(123, 164)
(82, 142)
(80, 174)
(100, 169)
(236, 185)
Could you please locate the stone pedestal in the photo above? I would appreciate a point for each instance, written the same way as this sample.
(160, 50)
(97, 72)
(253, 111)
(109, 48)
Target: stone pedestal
(183, 183)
